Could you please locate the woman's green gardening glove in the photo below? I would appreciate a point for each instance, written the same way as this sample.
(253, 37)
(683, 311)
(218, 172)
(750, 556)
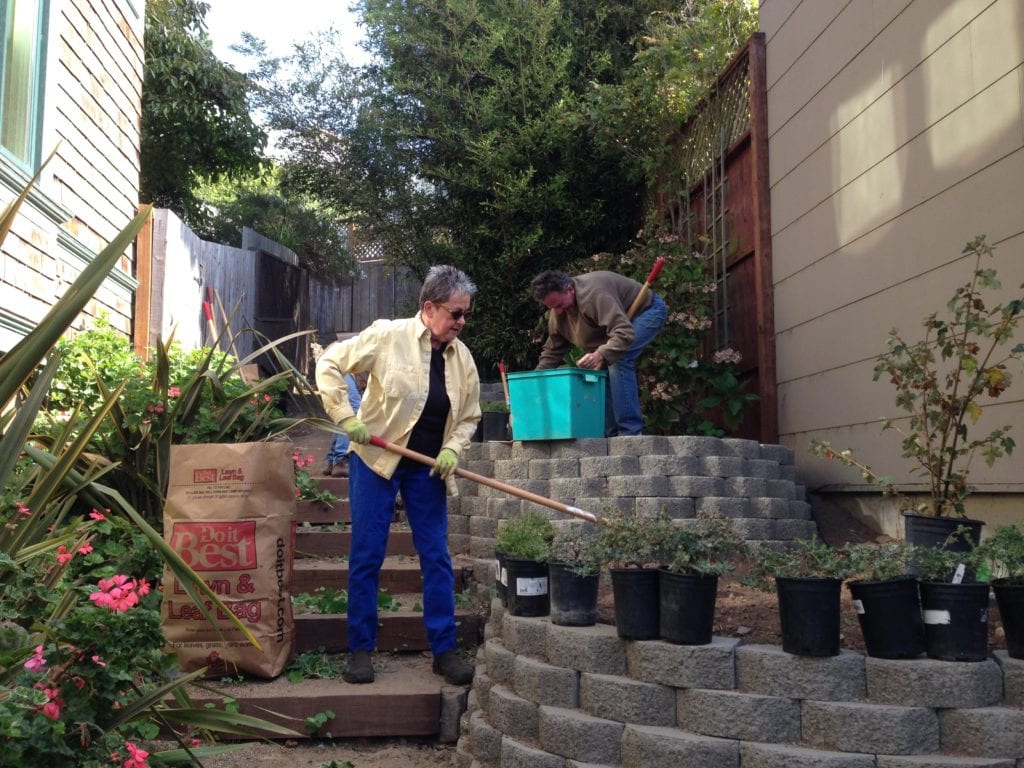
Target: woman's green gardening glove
(356, 431)
(445, 463)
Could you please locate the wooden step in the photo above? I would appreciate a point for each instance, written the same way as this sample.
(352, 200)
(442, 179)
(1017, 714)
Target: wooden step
(310, 542)
(404, 700)
(401, 574)
(398, 631)
(336, 485)
(323, 512)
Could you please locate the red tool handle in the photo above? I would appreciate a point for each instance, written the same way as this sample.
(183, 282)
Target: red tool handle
(655, 270)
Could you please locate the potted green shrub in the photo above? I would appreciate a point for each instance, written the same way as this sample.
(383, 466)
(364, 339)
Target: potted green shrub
(1003, 553)
(634, 547)
(954, 605)
(494, 420)
(941, 382)
(807, 576)
(574, 568)
(886, 599)
(697, 555)
(524, 542)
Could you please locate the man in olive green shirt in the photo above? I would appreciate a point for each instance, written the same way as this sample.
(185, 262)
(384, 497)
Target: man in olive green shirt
(589, 311)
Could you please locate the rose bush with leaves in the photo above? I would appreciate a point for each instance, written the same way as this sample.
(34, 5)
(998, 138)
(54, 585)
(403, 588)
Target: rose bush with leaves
(942, 382)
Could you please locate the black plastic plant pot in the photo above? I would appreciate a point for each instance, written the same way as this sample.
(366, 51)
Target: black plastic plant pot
(687, 607)
(889, 613)
(1010, 599)
(637, 599)
(955, 620)
(573, 596)
(809, 615)
(527, 587)
(500, 577)
(926, 531)
(495, 426)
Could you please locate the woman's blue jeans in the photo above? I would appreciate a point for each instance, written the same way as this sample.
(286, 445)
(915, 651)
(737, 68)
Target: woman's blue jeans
(372, 501)
(622, 389)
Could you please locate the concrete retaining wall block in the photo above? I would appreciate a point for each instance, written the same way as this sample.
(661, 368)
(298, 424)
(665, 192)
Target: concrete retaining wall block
(654, 747)
(859, 727)
(734, 715)
(668, 465)
(524, 635)
(676, 507)
(684, 666)
(517, 755)
(579, 449)
(695, 486)
(754, 755)
(500, 661)
(765, 468)
(638, 445)
(545, 684)
(985, 732)
(1013, 678)
(548, 469)
(605, 466)
(578, 736)
(698, 445)
(769, 670)
(746, 487)
(723, 506)
(627, 700)
(638, 485)
(484, 739)
(933, 683)
(721, 466)
(942, 761)
(530, 449)
(587, 649)
(738, 446)
(511, 714)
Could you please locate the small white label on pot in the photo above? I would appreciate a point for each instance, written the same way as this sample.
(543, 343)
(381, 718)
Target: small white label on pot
(503, 578)
(958, 574)
(984, 616)
(932, 616)
(858, 606)
(532, 587)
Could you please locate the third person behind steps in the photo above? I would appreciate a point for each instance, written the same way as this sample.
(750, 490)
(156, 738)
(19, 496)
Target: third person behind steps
(590, 311)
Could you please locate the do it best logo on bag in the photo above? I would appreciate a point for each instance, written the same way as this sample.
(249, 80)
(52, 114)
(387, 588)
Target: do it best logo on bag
(230, 515)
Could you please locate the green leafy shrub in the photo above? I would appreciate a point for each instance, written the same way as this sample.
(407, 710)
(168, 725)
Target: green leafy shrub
(803, 558)
(628, 540)
(710, 547)
(683, 388)
(526, 536)
(1004, 553)
(180, 396)
(941, 383)
(576, 544)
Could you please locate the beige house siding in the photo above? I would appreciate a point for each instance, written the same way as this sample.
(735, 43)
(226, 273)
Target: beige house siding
(896, 134)
(89, 191)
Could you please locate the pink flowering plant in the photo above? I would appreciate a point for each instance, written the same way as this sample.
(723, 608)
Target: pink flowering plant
(684, 388)
(306, 487)
(84, 682)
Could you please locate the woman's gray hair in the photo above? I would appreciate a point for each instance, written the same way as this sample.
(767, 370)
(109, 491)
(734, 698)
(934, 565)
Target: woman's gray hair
(444, 281)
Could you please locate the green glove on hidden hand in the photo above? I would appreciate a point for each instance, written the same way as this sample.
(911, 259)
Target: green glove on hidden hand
(356, 431)
(445, 463)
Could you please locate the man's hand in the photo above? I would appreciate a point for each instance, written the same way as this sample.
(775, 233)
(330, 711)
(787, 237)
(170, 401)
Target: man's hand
(592, 360)
(356, 431)
(445, 463)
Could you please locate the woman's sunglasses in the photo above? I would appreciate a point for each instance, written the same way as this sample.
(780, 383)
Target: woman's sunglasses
(457, 314)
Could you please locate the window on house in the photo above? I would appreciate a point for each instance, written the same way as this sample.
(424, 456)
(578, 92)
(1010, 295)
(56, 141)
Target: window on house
(21, 78)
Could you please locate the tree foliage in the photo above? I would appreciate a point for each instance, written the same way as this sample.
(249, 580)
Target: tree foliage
(506, 137)
(195, 111)
(314, 232)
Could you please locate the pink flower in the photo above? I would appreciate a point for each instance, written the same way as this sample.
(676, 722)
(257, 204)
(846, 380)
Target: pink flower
(52, 708)
(97, 662)
(266, 398)
(37, 662)
(143, 588)
(117, 593)
(137, 757)
(63, 555)
(22, 509)
(85, 549)
(174, 391)
(97, 515)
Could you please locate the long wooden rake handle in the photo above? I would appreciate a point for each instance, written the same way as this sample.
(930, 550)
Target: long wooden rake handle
(558, 506)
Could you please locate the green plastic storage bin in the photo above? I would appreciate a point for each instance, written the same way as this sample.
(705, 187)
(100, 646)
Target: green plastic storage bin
(557, 404)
